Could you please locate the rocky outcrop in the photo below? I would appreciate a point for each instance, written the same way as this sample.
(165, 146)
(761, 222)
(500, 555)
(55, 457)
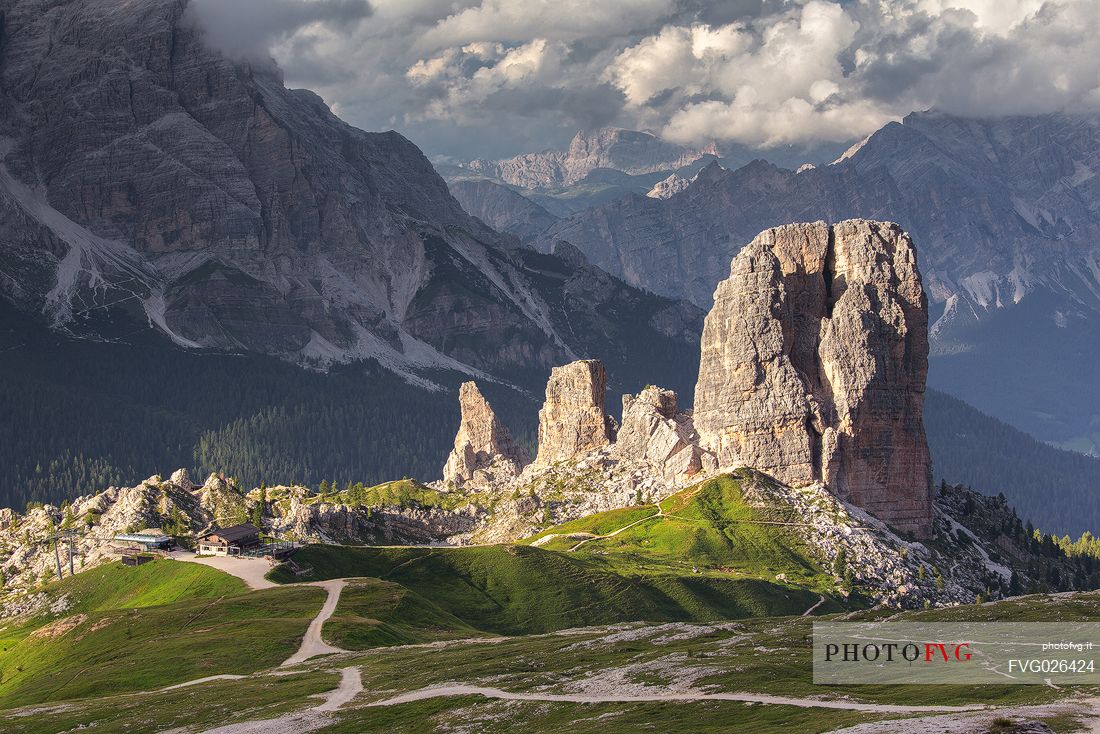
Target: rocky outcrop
(183, 510)
(813, 366)
(572, 420)
(182, 479)
(223, 501)
(655, 430)
(325, 522)
(484, 452)
(154, 503)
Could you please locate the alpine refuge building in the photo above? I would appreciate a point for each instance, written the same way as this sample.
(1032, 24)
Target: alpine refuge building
(230, 541)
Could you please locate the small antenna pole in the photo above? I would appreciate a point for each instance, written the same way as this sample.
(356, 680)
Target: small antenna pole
(57, 556)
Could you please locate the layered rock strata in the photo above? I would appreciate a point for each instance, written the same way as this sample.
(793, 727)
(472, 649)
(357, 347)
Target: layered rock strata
(813, 366)
(484, 449)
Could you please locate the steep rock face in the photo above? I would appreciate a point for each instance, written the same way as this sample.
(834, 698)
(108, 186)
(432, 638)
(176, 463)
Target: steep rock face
(484, 451)
(572, 420)
(655, 430)
(668, 187)
(813, 366)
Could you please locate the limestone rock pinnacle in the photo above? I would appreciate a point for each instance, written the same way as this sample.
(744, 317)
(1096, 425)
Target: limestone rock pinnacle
(655, 430)
(813, 366)
(572, 420)
(483, 446)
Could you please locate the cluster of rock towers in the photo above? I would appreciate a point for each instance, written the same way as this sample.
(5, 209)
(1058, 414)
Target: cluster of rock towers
(812, 369)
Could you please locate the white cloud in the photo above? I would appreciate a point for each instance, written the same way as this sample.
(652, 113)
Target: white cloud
(467, 78)
(495, 77)
(777, 81)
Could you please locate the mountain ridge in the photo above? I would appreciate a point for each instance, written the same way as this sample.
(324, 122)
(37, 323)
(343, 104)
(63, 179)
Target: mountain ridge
(196, 195)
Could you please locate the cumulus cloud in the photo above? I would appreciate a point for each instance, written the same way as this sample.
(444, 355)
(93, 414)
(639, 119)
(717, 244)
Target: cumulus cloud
(496, 77)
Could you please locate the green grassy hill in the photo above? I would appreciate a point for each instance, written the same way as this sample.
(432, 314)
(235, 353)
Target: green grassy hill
(707, 529)
(375, 613)
(118, 629)
(523, 590)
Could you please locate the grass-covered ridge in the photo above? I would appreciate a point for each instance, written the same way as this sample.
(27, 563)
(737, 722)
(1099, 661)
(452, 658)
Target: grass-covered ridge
(399, 493)
(117, 629)
(709, 529)
(115, 586)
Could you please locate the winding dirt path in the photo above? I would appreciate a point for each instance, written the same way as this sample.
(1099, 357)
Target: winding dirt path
(351, 685)
(312, 643)
(467, 690)
(820, 601)
(199, 681)
(301, 722)
(613, 533)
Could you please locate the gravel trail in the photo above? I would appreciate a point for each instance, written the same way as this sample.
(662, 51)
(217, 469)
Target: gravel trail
(312, 643)
(466, 690)
(302, 722)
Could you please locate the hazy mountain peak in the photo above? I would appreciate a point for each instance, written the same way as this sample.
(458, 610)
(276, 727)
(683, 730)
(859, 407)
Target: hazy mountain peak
(632, 152)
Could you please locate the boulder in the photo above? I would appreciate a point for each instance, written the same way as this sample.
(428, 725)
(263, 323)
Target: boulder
(813, 366)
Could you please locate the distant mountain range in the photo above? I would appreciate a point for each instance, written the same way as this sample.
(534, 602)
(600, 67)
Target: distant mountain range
(601, 166)
(1005, 213)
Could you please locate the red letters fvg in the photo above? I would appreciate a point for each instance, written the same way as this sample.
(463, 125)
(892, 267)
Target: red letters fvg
(934, 652)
